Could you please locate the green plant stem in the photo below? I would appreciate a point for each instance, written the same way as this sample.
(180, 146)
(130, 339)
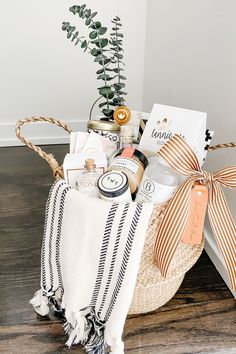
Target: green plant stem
(91, 109)
(118, 60)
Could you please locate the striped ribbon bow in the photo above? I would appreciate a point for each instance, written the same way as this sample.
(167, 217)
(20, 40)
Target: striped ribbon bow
(178, 154)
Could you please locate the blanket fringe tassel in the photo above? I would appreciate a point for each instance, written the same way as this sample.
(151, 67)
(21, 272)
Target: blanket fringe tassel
(40, 303)
(85, 327)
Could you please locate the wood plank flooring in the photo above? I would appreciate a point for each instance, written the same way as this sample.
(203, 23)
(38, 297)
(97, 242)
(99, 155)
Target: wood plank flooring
(201, 318)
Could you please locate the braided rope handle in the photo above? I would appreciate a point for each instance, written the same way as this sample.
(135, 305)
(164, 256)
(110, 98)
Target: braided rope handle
(56, 168)
(222, 146)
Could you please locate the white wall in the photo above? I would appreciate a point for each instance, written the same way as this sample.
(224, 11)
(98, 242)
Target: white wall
(42, 73)
(191, 62)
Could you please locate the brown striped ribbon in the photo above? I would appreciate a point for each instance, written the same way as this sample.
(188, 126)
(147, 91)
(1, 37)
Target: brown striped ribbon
(179, 155)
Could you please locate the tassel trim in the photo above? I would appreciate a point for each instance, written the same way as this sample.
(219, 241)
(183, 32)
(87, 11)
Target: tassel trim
(85, 327)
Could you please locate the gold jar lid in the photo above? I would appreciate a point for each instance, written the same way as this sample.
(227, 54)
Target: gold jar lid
(122, 115)
(103, 125)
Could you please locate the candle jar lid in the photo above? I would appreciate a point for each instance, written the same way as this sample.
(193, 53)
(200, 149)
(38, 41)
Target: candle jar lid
(103, 125)
(113, 184)
(122, 115)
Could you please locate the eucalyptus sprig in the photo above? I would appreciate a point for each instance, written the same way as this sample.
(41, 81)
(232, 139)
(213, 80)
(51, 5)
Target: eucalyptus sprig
(117, 51)
(105, 52)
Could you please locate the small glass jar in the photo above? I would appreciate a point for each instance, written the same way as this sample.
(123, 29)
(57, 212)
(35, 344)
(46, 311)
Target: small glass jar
(159, 182)
(87, 181)
(126, 138)
(132, 162)
(113, 186)
(109, 130)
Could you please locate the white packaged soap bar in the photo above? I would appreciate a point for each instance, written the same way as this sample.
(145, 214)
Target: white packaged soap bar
(96, 143)
(73, 165)
(165, 121)
(77, 141)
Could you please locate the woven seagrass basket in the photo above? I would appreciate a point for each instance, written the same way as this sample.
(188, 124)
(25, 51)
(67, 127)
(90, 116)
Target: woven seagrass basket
(152, 290)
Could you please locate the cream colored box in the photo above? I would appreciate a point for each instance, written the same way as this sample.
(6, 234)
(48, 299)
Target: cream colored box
(73, 165)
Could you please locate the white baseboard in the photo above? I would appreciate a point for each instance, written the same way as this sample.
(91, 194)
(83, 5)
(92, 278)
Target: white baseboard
(39, 133)
(217, 259)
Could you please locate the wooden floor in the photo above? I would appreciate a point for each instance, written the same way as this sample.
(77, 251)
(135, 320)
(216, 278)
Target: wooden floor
(201, 318)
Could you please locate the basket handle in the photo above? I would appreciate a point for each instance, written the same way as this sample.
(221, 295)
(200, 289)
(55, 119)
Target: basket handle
(56, 168)
(222, 146)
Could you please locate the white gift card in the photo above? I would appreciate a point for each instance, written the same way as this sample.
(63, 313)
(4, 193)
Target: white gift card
(73, 137)
(81, 139)
(165, 121)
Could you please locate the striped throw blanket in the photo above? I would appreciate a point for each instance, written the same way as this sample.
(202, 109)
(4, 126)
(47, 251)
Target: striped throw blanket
(91, 252)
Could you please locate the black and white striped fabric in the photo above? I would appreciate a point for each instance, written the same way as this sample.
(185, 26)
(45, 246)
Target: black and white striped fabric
(91, 252)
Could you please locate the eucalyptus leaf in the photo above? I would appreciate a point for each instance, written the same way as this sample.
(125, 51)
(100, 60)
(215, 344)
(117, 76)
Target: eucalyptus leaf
(117, 34)
(73, 9)
(118, 55)
(84, 44)
(123, 77)
(102, 104)
(93, 14)
(117, 42)
(100, 71)
(96, 25)
(87, 13)
(102, 30)
(104, 90)
(117, 23)
(88, 21)
(93, 35)
(118, 100)
(108, 112)
(65, 25)
(82, 7)
(110, 96)
(104, 61)
(100, 42)
(81, 12)
(118, 93)
(95, 52)
(75, 36)
(119, 85)
(72, 28)
(99, 56)
(104, 77)
(117, 70)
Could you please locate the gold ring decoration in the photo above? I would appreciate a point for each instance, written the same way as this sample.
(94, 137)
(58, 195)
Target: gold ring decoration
(122, 115)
